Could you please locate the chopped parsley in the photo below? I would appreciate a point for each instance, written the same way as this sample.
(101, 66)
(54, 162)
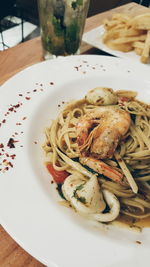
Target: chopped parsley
(75, 194)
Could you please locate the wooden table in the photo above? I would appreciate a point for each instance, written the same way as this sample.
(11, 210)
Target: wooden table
(12, 61)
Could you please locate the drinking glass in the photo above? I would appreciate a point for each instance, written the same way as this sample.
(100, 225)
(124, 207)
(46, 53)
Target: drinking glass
(62, 23)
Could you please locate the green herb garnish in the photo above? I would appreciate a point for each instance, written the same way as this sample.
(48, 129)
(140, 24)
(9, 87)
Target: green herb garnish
(81, 199)
(79, 187)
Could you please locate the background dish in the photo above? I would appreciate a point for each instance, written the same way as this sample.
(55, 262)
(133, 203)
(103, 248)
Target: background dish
(94, 38)
(29, 208)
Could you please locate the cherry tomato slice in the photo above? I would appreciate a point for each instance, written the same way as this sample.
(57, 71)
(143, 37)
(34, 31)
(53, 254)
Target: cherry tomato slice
(58, 176)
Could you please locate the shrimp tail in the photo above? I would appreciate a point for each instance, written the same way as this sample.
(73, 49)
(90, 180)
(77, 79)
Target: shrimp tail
(101, 167)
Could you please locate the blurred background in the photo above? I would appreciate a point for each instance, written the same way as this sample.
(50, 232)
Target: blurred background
(19, 20)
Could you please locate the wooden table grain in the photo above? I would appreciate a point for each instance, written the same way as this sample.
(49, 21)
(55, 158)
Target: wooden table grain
(16, 59)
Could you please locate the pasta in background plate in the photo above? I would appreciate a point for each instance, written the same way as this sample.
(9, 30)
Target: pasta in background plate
(125, 33)
(98, 152)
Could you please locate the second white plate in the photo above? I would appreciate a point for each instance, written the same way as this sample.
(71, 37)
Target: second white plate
(94, 38)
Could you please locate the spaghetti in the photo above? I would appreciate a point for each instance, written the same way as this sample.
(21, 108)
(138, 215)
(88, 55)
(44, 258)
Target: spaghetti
(131, 158)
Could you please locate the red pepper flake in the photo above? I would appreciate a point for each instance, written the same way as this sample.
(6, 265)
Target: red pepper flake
(27, 98)
(6, 168)
(10, 164)
(7, 155)
(35, 90)
(12, 156)
(24, 118)
(11, 109)
(16, 106)
(1, 145)
(7, 113)
(51, 83)
(138, 242)
(11, 142)
(4, 121)
(52, 182)
(4, 160)
(77, 68)
(3, 150)
(18, 123)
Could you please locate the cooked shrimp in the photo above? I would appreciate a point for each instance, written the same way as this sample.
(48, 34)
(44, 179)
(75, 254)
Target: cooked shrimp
(100, 130)
(101, 96)
(102, 168)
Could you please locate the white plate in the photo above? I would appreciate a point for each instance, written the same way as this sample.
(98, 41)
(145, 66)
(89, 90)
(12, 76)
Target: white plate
(29, 208)
(94, 38)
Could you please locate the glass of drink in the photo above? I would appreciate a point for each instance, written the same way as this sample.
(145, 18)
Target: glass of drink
(62, 23)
